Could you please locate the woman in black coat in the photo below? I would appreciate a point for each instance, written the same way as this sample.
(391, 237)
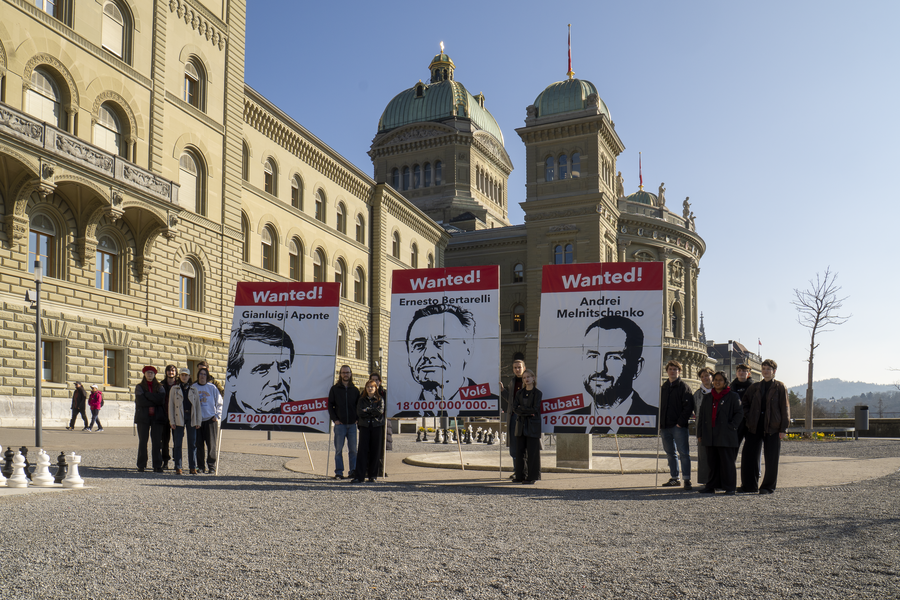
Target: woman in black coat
(718, 419)
(527, 407)
(370, 409)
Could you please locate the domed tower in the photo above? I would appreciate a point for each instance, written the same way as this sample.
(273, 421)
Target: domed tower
(442, 149)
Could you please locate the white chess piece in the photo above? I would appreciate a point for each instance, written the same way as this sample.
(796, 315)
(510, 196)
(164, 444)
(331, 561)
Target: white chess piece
(41, 476)
(73, 479)
(18, 479)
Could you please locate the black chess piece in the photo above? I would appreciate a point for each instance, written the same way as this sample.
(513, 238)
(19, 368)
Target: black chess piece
(479, 437)
(425, 436)
(62, 468)
(8, 462)
(419, 436)
(24, 451)
(468, 438)
(446, 436)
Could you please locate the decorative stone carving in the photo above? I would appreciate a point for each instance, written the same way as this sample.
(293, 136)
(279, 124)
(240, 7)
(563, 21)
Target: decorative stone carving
(49, 59)
(47, 170)
(142, 267)
(620, 185)
(21, 124)
(418, 133)
(676, 273)
(593, 100)
(531, 111)
(87, 249)
(120, 102)
(147, 180)
(16, 227)
(114, 211)
(84, 153)
(193, 16)
(560, 228)
(171, 226)
(662, 195)
(686, 207)
(691, 219)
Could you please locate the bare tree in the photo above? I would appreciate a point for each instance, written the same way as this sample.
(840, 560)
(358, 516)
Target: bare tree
(817, 308)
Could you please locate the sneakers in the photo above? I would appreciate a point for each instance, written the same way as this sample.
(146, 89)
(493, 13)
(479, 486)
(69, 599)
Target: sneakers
(338, 476)
(687, 485)
(69, 428)
(673, 482)
(86, 429)
(100, 430)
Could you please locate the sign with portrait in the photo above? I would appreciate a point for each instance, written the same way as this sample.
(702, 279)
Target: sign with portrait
(600, 347)
(444, 348)
(281, 356)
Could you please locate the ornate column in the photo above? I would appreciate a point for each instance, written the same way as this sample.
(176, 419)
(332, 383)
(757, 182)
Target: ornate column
(689, 300)
(622, 246)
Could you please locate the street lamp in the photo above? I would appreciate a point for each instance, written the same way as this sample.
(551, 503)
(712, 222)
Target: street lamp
(38, 363)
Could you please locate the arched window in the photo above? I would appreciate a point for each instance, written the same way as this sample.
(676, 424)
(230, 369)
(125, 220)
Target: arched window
(269, 241)
(643, 256)
(360, 353)
(563, 167)
(43, 99)
(297, 192)
(360, 229)
(548, 169)
(296, 266)
(395, 246)
(341, 218)
(107, 264)
(115, 30)
(359, 286)
(519, 273)
(319, 266)
(271, 177)
(245, 161)
(427, 174)
(395, 179)
(563, 255)
(342, 340)
(320, 205)
(518, 318)
(190, 176)
(42, 245)
(188, 291)
(245, 230)
(405, 178)
(438, 167)
(194, 84)
(340, 274)
(430, 261)
(414, 257)
(417, 177)
(576, 165)
(108, 131)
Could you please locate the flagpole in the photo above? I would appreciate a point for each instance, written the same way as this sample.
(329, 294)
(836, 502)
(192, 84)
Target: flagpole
(570, 73)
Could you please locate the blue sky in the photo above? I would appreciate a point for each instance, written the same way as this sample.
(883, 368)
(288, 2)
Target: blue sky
(777, 119)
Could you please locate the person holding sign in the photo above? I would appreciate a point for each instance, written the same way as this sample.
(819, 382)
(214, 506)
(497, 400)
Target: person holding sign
(370, 412)
(718, 419)
(527, 407)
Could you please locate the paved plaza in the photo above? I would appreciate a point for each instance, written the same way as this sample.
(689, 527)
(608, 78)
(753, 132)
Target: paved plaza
(270, 526)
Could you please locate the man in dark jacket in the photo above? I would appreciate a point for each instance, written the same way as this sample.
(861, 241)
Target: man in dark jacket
(676, 404)
(150, 416)
(740, 385)
(342, 400)
(79, 400)
(507, 394)
(767, 414)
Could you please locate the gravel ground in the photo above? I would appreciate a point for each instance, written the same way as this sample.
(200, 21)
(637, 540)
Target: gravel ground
(260, 531)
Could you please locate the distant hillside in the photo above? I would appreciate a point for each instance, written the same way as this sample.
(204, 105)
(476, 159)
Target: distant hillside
(838, 388)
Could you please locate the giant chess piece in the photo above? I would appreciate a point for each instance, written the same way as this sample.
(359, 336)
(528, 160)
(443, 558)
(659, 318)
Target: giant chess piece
(491, 439)
(487, 435)
(2, 478)
(61, 468)
(419, 435)
(73, 479)
(479, 435)
(24, 451)
(425, 436)
(468, 437)
(437, 436)
(446, 436)
(18, 479)
(503, 438)
(8, 461)
(42, 476)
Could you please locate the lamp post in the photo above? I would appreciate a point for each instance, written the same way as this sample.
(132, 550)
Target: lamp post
(38, 363)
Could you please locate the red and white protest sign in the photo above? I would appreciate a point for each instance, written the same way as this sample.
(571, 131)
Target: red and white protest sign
(600, 347)
(444, 348)
(281, 356)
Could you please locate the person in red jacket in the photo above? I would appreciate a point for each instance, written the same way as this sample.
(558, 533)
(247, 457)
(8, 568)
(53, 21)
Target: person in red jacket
(96, 403)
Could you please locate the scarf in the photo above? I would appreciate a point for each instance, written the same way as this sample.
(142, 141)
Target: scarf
(717, 399)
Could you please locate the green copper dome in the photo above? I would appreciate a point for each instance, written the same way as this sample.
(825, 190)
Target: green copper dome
(439, 101)
(642, 197)
(570, 95)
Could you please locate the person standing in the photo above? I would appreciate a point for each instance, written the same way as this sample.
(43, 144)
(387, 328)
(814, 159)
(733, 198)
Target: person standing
(705, 375)
(149, 409)
(370, 420)
(184, 416)
(718, 418)
(740, 385)
(170, 381)
(388, 444)
(527, 407)
(95, 402)
(210, 413)
(676, 406)
(79, 401)
(767, 414)
(342, 400)
(507, 396)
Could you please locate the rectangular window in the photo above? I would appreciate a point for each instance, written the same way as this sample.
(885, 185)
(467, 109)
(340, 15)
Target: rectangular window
(112, 365)
(49, 360)
(188, 298)
(106, 273)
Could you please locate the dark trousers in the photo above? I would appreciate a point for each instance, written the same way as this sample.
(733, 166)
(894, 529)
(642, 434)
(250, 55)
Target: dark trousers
(770, 444)
(368, 452)
(164, 441)
(722, 472)
(151, 432)
(207, 438)
(75, 413)
(703, 463)
(95, 418)
(513, 441)
(527, 460)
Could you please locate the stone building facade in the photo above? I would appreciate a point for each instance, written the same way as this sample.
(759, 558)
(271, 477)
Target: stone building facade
(149, 179)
